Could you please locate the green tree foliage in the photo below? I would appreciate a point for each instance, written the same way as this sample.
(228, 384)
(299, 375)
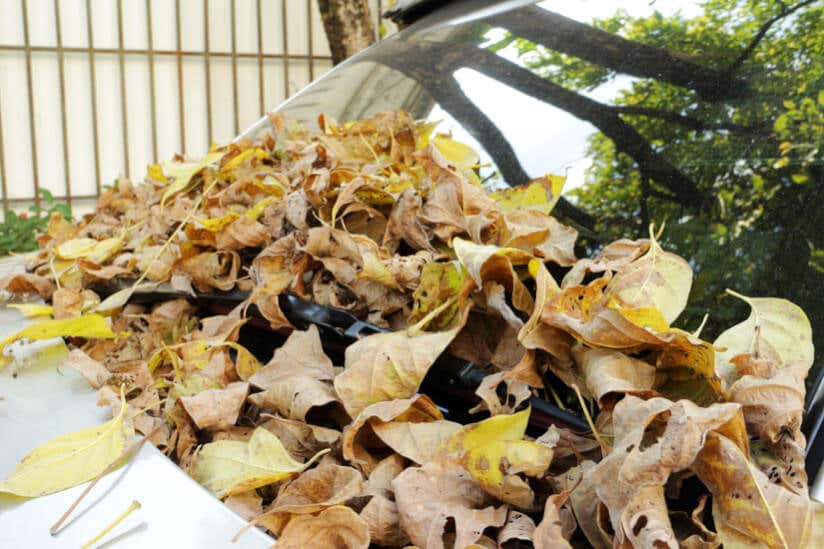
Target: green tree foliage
(755, 153)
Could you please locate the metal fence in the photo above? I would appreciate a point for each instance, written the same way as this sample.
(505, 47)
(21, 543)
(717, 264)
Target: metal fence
(94, 89)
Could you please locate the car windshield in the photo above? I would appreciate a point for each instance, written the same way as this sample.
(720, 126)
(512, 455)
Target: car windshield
(704, 119)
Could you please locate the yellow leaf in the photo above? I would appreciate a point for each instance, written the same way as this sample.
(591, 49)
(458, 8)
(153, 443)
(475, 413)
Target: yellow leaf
(494, 463)
(155, 171)
(657, 279)
(218, 223)
(246, 364)
(374, 269)
(83, 326)
(32, 309)
(500, 427)
(457, 153)
(485, 262)
(229, 467)
(255, 152)
(645, 317)
(540, 194)
(104, 250)
(776, 328)
(182, 172)
(70, 459)
(75, 248)
(257, 210)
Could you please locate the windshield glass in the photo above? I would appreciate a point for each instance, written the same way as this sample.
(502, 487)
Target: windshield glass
(706, 117)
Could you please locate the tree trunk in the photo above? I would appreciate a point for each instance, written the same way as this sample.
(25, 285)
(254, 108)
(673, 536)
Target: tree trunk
(348, 25)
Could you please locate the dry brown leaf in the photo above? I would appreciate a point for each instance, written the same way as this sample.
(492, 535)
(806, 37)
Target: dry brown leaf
(302, 440)
(773, 405)
(337, 527)
(388, 366)
(382, 516)
(93, 371)
(27, 283)
(430, 495)
(550, 531)
(610, 374)
(216, 408)
(358, 436)
(749, 510)
(317, 489)
(247, 505)
(418, 442)
(517, 392)
(67, 303)
(518, 527)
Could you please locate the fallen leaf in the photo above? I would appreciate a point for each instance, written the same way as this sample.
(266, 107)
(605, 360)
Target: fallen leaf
(70, 459)
(230, 467)
(93, 371)
(418, 409)
(216, 408)
(747, 509)
(657, 279)
(337, 526)
(317, 489)
(775, 327)
(388, 366)
(88, 326)
(550, 533)
(429, 496)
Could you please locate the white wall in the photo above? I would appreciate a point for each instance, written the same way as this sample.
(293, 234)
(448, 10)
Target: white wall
(52, 172)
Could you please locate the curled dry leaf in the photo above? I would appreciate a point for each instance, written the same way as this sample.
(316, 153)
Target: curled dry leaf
(317, 489)
(428, 496)
(657, 279)
(550, 531)
(338, 527)
(216, 408)
(388, 366)
(775, 328)
(357, 439)
(518, 527)
(93, 371)
(749, 510)
(610, 374)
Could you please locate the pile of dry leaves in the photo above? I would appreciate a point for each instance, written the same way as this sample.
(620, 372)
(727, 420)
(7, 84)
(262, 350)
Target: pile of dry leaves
(693, 443)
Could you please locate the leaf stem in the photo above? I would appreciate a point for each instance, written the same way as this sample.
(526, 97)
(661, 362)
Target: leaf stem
(604, 447)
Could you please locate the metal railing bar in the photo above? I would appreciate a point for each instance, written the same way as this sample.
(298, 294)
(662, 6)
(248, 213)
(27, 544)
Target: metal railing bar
(179, 54)
(152, 98)
(32, 131)
(124, 116)
(285, 27)
(61, 198)
(207, 65)
(165, 53)
(93, 90)
(233, 34)
(3, 165)
(259, 14)
(311, 44)
(61, 69)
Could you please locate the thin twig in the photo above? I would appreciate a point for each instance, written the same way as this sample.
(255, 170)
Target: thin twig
(132, 508)
(136, 445)
(605, 449)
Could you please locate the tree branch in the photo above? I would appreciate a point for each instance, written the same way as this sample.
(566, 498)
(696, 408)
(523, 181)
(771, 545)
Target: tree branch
(687, 121)
(613, 52)
(625, 137)
(448, 94)
(762, 32)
